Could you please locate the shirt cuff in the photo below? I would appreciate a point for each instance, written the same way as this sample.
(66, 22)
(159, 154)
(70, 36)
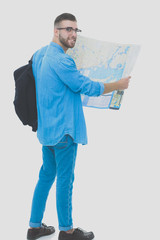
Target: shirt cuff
(101, 88)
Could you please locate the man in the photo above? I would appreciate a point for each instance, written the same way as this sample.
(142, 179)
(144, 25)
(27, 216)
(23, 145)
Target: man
(61, 126)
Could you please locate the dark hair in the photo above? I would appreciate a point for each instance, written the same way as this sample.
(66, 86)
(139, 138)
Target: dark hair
(64, 16)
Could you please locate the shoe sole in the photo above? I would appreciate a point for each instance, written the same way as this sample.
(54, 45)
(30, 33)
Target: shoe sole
(40, 236)
(90, 238)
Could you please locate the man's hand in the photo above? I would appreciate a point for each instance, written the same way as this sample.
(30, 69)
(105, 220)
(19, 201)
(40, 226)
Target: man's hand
(119, 85)
(123, 83)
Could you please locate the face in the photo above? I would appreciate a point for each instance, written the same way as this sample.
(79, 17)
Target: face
(67, 39)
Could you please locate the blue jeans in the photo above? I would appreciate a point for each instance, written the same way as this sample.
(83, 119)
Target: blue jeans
(58, 160)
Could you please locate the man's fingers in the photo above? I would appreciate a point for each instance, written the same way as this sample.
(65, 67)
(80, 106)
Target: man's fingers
(124, 83)
(128, 78)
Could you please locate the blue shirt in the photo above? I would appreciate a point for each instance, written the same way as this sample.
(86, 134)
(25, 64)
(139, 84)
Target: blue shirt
(59, 86)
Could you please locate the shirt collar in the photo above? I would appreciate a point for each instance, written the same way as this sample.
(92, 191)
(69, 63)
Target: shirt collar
(53, 44)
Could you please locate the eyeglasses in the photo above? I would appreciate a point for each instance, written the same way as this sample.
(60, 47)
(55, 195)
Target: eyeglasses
(70, 29)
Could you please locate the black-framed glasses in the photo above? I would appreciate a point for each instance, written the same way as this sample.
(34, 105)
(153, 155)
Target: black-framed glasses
(70, 29)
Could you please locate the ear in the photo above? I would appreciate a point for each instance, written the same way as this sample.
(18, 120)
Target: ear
(56, 32)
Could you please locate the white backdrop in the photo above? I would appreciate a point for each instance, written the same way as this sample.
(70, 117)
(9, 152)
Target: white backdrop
(116, 188)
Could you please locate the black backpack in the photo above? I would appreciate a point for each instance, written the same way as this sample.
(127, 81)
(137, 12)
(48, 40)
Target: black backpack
(25, 95)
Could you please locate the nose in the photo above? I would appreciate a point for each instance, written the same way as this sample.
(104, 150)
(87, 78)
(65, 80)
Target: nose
(74, 33)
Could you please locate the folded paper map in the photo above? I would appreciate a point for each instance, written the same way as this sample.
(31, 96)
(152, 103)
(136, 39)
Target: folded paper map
(104, 62)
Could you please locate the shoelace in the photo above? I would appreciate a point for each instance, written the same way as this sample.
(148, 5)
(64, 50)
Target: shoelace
(81, 230)
(43, 224)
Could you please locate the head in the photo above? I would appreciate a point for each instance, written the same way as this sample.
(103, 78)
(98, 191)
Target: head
(65, 30)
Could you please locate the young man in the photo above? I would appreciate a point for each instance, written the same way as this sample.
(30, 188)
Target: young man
(61, 126)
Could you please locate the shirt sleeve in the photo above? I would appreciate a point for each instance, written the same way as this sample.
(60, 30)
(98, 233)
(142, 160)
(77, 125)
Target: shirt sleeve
(67, 71)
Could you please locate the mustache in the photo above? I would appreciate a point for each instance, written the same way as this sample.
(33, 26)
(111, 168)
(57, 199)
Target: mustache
(73, 38)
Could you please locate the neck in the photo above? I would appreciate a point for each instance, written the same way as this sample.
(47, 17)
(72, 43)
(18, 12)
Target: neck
(59, 43)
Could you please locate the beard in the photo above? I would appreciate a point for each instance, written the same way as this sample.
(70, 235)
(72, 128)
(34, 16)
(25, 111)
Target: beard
(68, 43)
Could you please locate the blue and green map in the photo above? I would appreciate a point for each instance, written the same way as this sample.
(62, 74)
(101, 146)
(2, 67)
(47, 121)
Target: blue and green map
(104, 62)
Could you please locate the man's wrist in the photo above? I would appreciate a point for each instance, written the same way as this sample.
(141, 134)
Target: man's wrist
(116, 85)
(110, 87)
